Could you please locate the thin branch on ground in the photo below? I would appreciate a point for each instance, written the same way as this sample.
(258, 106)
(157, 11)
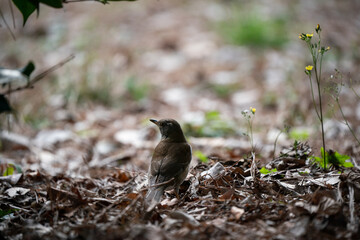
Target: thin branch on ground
(41, 76)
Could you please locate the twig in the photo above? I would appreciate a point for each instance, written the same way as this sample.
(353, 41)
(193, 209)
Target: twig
(19, 208)
(12, 13)
(7, 26)
(38, 77)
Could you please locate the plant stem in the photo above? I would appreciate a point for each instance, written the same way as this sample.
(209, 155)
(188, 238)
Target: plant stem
(352, 88)
(318, 78)
(251, 135)
(346, 122)
(275, 142)
(313, 97)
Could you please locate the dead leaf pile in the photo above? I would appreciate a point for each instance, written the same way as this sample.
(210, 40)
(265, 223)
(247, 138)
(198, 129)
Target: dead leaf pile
(224, 199)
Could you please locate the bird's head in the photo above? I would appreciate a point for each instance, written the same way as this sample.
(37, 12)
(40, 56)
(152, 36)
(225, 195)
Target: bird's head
(170, 130)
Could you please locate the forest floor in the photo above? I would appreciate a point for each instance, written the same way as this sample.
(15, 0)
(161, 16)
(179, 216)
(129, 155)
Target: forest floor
(80, 142)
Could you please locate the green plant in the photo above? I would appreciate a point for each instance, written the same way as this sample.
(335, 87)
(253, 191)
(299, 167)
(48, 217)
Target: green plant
(201, 156)
(91, 85)
(37, 119)
(249, 117)
(10, 169)
(4, 213)
(224, 90)
(213, 126)
(317, 52)
(265, 171)
(136, 89)
(299, 134)
(284, 130)
(304, 173)
(332, 158)
(244, 28)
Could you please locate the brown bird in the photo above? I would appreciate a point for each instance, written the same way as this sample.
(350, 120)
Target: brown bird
(170, 161)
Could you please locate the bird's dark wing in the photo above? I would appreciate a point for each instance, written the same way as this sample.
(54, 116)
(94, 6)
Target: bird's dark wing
(169, 160)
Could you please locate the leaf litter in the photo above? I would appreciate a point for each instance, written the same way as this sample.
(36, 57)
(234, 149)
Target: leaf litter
(225, 198)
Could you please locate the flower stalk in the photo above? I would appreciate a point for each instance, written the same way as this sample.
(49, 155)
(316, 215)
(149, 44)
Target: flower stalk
(249, 117)
(317, 52)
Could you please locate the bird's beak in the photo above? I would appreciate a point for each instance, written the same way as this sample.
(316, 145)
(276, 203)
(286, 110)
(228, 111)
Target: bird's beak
(154, 121)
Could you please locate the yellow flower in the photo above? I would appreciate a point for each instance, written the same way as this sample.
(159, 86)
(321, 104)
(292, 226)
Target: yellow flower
(302, 36)
(309, 68)
(253, 110)
(327, 49)
(317, 29)
(309, 35)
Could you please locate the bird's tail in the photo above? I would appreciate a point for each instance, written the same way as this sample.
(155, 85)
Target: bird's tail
(153, 197)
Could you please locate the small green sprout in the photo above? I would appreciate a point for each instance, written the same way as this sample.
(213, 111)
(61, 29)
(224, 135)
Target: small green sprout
(201, 156)
(265, 171)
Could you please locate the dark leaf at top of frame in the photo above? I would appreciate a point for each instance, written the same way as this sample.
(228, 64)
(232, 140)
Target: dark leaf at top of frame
(53, 3)
(107, 1)
(26, 7)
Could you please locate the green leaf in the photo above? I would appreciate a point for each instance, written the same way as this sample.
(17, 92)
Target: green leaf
(201, 156)
(26, 7)
(6, 212)
(9, 170)
(318, 160)
(212, 115)
(340, 157)
(299, 134)
(332, 158)
(303, 173)
(53, 3)
(265, 171)
(348, 164)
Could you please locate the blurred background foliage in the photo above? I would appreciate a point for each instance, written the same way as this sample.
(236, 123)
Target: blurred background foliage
(201, 62)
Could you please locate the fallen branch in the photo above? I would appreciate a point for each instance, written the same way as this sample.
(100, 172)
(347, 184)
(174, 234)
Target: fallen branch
(40, 76)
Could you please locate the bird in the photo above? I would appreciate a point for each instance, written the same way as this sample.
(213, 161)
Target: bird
(170, 161)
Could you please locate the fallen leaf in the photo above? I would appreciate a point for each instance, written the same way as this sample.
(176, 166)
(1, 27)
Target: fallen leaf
(237, 212)
(16, 191)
